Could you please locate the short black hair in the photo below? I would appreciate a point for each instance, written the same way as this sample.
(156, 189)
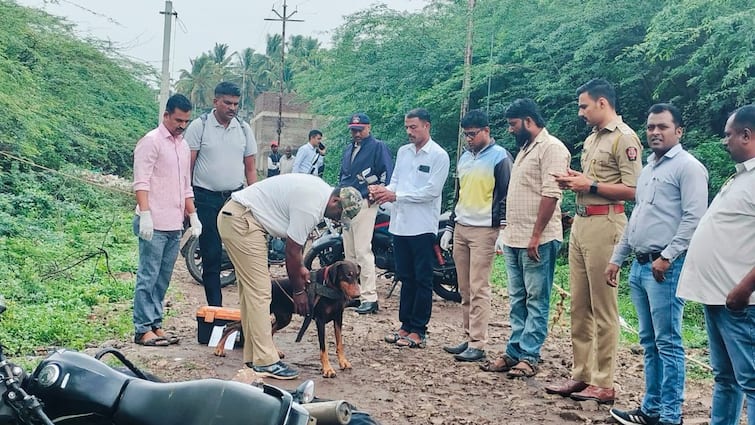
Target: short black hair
(178, 101)
(523, 108)
(314, 133)
(227, 88)
(421, 113)
(744, 117)
(476, 118)
(597, 88)
(676, 114)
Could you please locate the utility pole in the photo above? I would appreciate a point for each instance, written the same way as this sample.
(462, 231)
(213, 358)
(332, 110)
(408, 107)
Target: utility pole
(466, 83)
(282, 18)
(165, 76)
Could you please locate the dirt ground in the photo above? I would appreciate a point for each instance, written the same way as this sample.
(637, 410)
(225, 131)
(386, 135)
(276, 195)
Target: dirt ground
(408, 386)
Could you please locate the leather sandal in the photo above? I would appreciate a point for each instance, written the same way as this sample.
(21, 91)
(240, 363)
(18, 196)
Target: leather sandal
(409, 342)
(148, 340)
(523, 369)
(393, 338)
(504, 363)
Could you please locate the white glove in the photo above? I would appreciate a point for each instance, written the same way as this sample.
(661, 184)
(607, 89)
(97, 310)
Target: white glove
(146, 227)
(446, 240)
(196, 225)
(499, 243)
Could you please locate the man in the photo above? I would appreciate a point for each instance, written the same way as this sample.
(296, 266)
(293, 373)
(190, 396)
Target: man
(415, 189)
(479, 212)
(366, 161)
(720, 273)
(309, 158)
(162, 185)
(287, 161)
(289, 207)
(532, 238)
(611, 161)
(223, 152)
(672, 195)
(273, 160)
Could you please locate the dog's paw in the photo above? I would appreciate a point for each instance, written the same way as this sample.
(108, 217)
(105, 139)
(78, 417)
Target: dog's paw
(281, 354)
(328, 373)
(344, 364)
(220, 352)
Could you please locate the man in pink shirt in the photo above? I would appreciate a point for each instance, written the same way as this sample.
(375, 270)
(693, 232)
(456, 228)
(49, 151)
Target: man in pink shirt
(164, 196)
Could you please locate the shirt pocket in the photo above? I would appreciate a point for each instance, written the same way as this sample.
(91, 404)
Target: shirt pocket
(665, 190)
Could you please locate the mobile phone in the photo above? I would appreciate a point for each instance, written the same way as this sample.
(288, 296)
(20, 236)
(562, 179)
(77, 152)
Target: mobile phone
(320, 146)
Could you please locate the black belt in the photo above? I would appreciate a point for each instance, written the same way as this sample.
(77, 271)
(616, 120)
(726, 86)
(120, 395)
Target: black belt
(223, 193)
(646, 258)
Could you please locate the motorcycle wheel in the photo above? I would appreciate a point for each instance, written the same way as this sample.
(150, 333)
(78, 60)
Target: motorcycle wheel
(446, 290)
(324, 256)
(193, 259)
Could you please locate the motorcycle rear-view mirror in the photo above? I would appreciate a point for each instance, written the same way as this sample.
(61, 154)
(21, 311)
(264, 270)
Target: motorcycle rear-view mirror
(2, 304)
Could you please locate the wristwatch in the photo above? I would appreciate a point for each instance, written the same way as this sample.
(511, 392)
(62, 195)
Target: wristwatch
(594, 187)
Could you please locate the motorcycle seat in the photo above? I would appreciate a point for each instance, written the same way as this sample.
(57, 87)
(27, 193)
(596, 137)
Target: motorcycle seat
(205, 402)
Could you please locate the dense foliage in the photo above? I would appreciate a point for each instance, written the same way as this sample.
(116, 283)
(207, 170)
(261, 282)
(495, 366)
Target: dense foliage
(66, 105)
(697, 54)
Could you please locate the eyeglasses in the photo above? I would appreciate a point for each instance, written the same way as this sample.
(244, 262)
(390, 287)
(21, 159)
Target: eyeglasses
(471, 134)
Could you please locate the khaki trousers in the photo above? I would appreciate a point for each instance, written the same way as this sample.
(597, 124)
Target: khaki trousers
(357, 245)
(594, 305)
(473, 251)
(246, 243)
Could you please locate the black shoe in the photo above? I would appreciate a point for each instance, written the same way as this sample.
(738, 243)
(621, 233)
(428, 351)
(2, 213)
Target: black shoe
(456, 349)
(633, 417)
(368, 307)
(353, 303)
(470, 355)
(277, 370)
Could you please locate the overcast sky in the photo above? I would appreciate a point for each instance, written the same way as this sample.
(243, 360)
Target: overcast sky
(136, 26)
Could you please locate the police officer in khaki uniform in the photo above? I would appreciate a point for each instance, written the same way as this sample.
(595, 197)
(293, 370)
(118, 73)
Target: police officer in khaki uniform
(611, 163)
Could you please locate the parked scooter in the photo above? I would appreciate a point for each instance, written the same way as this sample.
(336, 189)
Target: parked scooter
(329, 248)
(71, 388)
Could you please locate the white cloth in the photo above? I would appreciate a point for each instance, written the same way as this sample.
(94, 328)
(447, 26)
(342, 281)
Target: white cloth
(721, 251)
(287, 164)
(417, 181)
(288, 205)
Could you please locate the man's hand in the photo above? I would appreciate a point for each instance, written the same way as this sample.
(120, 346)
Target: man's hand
(532, 249)
(574, 181)
(380, 194)
(612, 275)
(196, 225)
(499, 243)
(659, 268)
(301, 301)
(146, 227)
(739, 297)
(446, 240)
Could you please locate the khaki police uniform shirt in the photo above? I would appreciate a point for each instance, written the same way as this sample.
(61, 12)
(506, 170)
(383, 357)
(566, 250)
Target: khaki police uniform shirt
(612, 154)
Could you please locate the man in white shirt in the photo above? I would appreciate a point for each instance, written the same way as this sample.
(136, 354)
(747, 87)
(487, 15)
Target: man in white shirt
(309, 158)
(287, 162)
(719, 272)
(288, 206)
(415, 190)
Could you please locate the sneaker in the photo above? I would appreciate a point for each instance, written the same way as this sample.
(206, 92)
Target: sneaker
(277, 370)
(631, 417)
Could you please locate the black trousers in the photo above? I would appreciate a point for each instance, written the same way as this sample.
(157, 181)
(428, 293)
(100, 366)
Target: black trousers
(414, 268)
(208, 204)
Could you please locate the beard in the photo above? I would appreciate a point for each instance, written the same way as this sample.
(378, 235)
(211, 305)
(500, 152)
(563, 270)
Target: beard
(522, 137)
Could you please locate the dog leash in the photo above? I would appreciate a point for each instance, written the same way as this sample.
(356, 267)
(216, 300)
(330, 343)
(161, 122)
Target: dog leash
(314, 297)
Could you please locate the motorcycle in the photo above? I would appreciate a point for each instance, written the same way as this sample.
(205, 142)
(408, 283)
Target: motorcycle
(276, 256)
(69, 387)
(328, 249)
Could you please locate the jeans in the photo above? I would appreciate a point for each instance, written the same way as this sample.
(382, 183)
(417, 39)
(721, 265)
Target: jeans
(156, 260)
(530, 285)
(659, 312)
(414, 268)
(208, 206)
(731, 336)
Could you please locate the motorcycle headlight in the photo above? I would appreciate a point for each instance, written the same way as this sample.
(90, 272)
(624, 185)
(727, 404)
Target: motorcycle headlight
(306, 391)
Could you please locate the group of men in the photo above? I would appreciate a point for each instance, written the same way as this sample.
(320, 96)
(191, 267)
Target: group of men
(682, 248)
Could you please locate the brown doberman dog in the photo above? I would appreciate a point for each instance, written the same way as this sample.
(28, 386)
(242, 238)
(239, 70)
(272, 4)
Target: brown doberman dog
(330, 290)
